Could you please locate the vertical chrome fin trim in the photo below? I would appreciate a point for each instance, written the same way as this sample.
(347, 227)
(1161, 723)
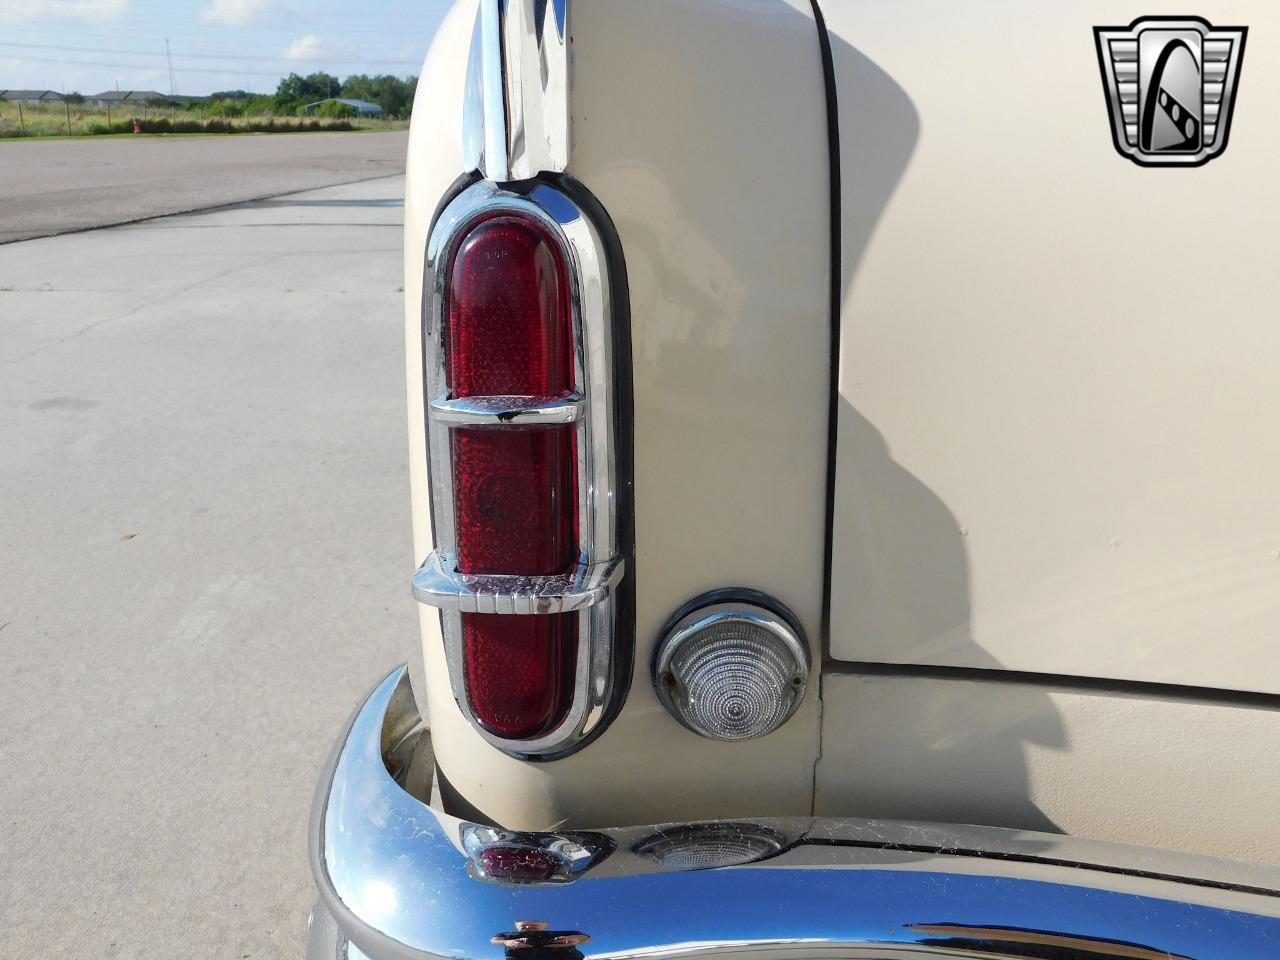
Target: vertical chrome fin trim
(516, 118)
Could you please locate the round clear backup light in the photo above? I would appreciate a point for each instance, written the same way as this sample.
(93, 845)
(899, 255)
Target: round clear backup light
(732, 669)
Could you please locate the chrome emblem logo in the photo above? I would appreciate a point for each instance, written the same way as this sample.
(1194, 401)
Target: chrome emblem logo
(1170, 85)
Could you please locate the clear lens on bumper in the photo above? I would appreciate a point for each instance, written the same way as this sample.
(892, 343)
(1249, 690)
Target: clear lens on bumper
(732, 671)
(705, 846)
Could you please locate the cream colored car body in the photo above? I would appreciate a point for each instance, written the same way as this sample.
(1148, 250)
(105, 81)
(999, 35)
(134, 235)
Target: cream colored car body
(1053, 586)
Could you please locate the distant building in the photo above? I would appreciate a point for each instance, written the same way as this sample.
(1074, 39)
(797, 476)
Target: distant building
(362, 108)
(30, 98)
(112, 98)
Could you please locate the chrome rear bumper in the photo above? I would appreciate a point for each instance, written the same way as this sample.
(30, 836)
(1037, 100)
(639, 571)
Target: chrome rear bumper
(402, 881)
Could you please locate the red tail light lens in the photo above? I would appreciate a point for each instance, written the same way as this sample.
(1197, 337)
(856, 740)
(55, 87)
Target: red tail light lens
(509, 331)
(514, 500)
(519, 670)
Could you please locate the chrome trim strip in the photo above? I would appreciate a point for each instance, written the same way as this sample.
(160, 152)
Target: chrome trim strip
(506, 411)
(396, 877)
(495, 129)
(438, 584)
(582, 250)
(516, 112)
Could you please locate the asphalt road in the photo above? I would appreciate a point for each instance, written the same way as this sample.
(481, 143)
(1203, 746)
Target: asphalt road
(204, 560)
(55, 186)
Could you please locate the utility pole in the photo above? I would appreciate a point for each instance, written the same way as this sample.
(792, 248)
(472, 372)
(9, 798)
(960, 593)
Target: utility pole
(22, 121)
(67, 106)
(173, 83)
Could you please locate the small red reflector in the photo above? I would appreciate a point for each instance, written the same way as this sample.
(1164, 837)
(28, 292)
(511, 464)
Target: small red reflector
(515, 489)
(517, 863)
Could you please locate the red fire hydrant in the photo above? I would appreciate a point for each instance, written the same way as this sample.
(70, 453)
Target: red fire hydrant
(137, 127)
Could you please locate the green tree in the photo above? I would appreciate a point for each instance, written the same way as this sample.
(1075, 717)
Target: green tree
(295, 91)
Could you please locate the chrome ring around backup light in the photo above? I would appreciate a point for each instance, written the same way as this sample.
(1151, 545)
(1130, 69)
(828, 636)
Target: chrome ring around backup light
(589, 587)
(723, 607)
(395, 876)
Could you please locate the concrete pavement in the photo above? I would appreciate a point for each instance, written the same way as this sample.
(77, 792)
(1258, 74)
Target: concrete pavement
(56, 186)
(204, 561)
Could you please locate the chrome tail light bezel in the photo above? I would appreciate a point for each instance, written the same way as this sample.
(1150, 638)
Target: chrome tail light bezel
(595, 586)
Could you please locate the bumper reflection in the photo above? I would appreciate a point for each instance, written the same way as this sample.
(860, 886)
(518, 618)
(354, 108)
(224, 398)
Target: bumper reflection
(532, 940)
(976, 941)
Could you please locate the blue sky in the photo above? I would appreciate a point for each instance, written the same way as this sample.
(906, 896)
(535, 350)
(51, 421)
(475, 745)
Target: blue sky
(93, 45)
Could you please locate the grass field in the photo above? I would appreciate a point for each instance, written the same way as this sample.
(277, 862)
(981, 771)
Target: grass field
(62, 120)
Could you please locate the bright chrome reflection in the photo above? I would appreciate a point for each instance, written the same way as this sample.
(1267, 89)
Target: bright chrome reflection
(516, 116)
(973, 941)
(535, 935)
(394, 875)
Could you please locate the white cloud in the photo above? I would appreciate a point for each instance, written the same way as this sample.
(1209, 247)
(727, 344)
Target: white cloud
(231, 13)
(304, 48)
(35, 10)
